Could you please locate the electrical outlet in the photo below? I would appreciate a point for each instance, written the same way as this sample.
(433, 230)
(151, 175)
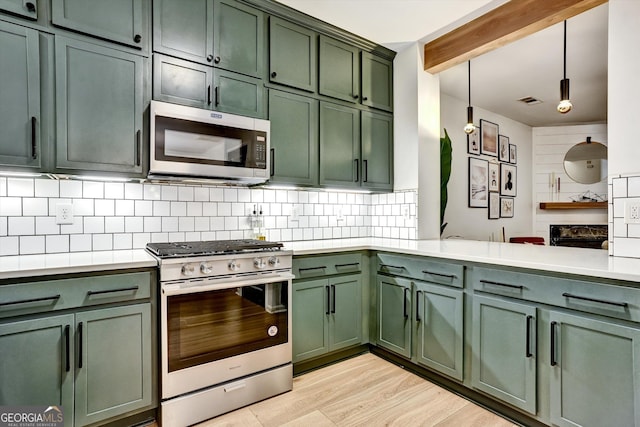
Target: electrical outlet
(64, 213)
(406, 213)
(339, 215)
(632, 212)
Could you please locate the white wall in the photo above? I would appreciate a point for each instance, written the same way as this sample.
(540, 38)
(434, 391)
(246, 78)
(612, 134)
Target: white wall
(473, 223)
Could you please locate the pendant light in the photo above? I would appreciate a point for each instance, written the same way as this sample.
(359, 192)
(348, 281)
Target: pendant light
(565, 104)
(469, 127)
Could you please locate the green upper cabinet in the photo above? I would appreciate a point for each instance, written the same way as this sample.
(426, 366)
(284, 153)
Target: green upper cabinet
(377, 150)
(123, 21)
(20, 139)
(377, 82)
(394, 314)
(99, 107)
(238, 37)
(294, 149)
(238, 94)
(292, 55)
(339, 146)
(25, 8)
(595, 376)
(184, 28)
(182, 82)
(339, 70)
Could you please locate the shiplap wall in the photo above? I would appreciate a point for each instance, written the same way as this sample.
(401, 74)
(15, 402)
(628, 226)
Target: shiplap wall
(549, 147)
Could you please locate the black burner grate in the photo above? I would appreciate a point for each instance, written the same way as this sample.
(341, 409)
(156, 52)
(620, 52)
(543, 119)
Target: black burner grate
(210, 247)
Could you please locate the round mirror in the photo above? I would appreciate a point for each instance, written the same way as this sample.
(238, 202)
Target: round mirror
(586, 162)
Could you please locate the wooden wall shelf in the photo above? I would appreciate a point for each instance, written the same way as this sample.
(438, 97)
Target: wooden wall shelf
(573, 205)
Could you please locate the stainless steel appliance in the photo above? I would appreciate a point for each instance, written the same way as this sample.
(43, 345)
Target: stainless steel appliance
(579, 236)
(225, 324)
(197, 143)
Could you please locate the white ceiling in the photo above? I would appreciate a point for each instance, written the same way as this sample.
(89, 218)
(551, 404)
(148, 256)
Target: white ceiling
(529, 67)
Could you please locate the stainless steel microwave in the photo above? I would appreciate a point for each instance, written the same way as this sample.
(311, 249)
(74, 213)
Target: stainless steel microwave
(187, 142)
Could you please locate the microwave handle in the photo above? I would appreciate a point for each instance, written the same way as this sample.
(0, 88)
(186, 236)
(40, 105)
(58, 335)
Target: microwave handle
(220, 284)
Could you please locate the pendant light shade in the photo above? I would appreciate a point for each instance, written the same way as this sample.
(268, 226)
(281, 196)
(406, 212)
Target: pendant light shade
(469, 127)
(565, 104)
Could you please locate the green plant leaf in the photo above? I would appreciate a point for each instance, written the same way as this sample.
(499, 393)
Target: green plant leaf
(446, 149)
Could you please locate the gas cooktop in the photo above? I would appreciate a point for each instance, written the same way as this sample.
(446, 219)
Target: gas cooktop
(211, 247)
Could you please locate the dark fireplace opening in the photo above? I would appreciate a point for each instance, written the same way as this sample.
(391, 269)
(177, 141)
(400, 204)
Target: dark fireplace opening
(579, 236)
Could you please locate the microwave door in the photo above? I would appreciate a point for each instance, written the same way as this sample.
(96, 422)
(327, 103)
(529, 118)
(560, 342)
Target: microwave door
(212, 149)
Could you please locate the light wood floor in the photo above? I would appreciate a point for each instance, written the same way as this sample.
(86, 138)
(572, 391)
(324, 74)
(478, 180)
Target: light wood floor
(362, 391)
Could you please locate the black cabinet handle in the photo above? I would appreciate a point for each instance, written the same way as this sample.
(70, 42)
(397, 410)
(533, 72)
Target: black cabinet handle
(600, 301)
(333, 299)
(138, 147)
(364, 98)
(272, 168)
(216, 60)
(505, 285)
(404, 303)
(137, 38)
(328, 301)
(111, 291)
(274, 74)
(209, 95)
(447, 276)
(217, 96)
(80, 345)
(67, 346)
(365, 170)
(395, 267)
(418, 318)
(321, 267)
(528, 343)
(30, 6)
(209, 58)
(26, 301)
(355, 96)
(34, 153)
(353, 264)
(554, 362)
(355, 161)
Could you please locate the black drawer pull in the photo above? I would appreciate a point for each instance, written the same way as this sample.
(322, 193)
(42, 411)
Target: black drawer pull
(404, 303)
(353, 264)
(601, 301)
(34, 144)
(333, 299)
(217, 96)
(138, 147)
(67, 346)
(418, 318)
(80, 346)
(528, 343)
(355, 162)
(553, 360)
(321, 267)
(27, 301)
(488, 282)
(448, 276)
(365, 171)
(328, 312)
(209, 95)
(395, 267)
(137, 38)
(111, 291)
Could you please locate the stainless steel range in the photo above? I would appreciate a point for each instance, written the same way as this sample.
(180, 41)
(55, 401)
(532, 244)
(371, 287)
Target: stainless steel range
(225, 326)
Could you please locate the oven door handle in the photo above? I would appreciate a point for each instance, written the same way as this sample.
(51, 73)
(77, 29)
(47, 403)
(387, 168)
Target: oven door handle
(219, 284)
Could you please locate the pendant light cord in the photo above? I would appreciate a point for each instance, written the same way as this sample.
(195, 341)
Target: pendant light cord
(469, 76)
(565, 49)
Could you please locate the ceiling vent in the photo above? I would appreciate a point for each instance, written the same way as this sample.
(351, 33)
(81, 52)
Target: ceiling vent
(529, 100)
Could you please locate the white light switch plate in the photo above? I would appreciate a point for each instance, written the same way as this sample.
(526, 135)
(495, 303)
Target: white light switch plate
(64, 213)
(632, 212)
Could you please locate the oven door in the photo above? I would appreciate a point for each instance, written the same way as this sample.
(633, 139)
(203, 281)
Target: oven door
(222, 329)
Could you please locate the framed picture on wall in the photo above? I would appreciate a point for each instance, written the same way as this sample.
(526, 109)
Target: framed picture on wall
(503, 148)
(508, 180)
(494, 205)
(513, 151)
(478, 183)
(473, 142)
(488, 138)
(494, 177)
(506, 207)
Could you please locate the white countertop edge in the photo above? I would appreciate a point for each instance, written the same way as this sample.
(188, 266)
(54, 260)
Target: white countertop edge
(16, 266)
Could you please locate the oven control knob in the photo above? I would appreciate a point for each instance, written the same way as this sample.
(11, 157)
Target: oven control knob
(233, 265)
(188, 269)
(273, 261)
(259, 263)
(206, 268)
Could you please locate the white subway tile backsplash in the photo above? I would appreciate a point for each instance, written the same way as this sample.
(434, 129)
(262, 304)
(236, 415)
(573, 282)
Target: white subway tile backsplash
(85, 207)
(619, 187)
(140, 240)
(136, 224)
(47, 188)
(47, 225)
(114, 224)
(201, 223)
(257, 196)
(71, 189)
(21, 225)
(3, 187)
(161, 208)
(76, 228)
(209, 209)
(125, 208)
(35, 206)
(93, 190)
(114, 190)
(57, 244)
(186, 224)
(169, 192)
(194, 209)
(3, 225)
(20, 187)
(94, 224)
(230, 195)
(152, 191)
(224, 209)
(185, 194)
(237, 209)
(9, 245)
(230, 223)
(32, 245)
(170, 224)
(134, 191)
(178, 208)
(102, 242)
(11, 206)
(244, 195)
(122, 241)
(216, 194)
(152, 225)
(143, 208)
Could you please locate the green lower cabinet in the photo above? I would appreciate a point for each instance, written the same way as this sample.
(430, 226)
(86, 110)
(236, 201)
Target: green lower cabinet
(595, 375)
(503, 351)
(394, 314)
(345, 318)
(439, 332)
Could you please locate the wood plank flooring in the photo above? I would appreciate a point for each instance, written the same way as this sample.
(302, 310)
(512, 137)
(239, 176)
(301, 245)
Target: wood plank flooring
(363, 391)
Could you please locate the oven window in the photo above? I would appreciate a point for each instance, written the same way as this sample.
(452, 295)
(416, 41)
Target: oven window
(208, 326)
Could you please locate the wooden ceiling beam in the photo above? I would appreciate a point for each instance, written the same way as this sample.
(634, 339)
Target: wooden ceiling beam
(507, 23)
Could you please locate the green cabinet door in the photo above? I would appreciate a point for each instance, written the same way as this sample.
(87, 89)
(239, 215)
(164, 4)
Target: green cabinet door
(339, 70)
(310, 311)
(377, 82)
(114, 374)
(292, 55)
(184, 28)
(20, 141)
(377, 150)
(345, 320)
(339, 146)
(123, 21)
(37, 363)
(294, 138)
(595, 376)
(238, 38)
(439, 330)
(503, 351)
(238, 94)
(99, 107)
(27, 9)
(394, 314)
(182, 82)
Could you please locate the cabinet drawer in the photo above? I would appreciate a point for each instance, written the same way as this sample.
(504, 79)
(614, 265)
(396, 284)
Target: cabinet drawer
(327, 265)
(422, 269)
(606, 299)
(60, 294)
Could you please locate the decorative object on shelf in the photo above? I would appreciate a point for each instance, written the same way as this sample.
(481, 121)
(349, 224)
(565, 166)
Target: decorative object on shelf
(488, 138)
(494, 206)
(506, 207)
(586, 162)
(588, 196)
(478, 183)
(494, 176)
(508, 180)
(469, 127)
(513, 154)
(503, 148)
(445, 173)
(565, 104)
(473, 142)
